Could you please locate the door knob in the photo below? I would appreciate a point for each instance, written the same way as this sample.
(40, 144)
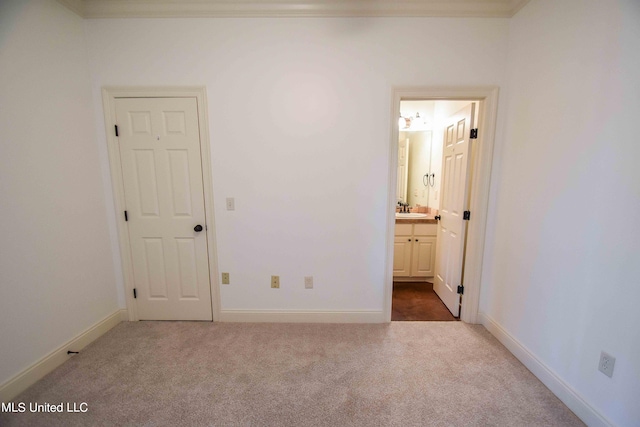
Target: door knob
(437, 218)
(197, 228)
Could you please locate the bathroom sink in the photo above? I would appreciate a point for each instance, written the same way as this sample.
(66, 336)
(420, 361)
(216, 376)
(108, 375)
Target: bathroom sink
(410, 215)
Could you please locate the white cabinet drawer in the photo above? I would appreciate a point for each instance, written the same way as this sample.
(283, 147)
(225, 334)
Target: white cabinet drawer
(404, 229)
(424, 229)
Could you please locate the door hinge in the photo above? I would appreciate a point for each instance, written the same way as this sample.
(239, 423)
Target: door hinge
(466, 215)
(461, 289)
(126, 216)
(474, 134)
(135, 293)
(116, 126)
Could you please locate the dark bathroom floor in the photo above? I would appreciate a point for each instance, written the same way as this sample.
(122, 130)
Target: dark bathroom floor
(417, 301)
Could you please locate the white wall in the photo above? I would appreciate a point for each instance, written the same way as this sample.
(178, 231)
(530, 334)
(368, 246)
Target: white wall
(56, 268)
(299, 113)
(562, 262)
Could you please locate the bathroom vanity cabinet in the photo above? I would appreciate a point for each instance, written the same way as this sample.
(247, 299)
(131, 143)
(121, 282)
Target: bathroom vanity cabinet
(414, 253)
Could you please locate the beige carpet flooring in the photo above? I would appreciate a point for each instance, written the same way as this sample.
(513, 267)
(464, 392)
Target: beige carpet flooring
(230, 374)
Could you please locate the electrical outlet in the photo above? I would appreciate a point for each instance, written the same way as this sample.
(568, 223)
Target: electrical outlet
(308, 282)
(225, 278)
(607, 362)
(231, 204)
(275, 282)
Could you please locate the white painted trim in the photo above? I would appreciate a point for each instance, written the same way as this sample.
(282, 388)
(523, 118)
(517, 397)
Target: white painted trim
(488, 98)
(413, 279)
(570, 397)
(479, 206)
(109, 95)
(275, 316)
(294, 8)
(48, 363)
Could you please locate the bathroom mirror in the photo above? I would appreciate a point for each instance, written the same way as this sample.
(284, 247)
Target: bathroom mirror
(414, 167)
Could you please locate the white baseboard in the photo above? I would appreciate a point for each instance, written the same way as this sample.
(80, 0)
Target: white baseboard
(557, 385)
(274, 316)
(124, 315)
(42, 367)
(413, 279)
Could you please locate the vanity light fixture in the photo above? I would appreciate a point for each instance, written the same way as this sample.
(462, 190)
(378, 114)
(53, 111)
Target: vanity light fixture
(404, 122)
(421, 124)
(416, 123)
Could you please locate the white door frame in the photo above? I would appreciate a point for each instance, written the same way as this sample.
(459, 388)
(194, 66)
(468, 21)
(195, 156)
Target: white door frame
(488, 99)
(109, 96)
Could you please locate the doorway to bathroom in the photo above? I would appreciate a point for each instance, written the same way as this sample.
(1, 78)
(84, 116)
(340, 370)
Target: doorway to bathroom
(440, 163)
(425, 268)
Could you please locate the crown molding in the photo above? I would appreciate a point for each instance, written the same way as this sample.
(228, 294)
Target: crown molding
(516, 5)
(98, 9)
(76, 6)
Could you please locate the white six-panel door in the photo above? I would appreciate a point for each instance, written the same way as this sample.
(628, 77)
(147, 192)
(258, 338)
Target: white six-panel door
(162, 173)
(454, 195)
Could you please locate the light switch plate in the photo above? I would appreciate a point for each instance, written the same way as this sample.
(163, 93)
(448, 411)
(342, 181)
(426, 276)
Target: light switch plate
(607, 362)
(231, 204)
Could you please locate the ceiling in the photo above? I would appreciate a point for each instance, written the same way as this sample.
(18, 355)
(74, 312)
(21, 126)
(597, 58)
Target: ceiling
(94, 9)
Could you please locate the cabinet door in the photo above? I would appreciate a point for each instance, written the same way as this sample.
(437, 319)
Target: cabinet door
(402, 256)
(423, 259)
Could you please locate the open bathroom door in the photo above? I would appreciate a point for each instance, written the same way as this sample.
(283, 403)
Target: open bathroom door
(453, 203)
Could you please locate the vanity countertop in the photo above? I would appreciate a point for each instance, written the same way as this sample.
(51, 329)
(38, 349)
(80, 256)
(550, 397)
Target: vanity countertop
(428, 220)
